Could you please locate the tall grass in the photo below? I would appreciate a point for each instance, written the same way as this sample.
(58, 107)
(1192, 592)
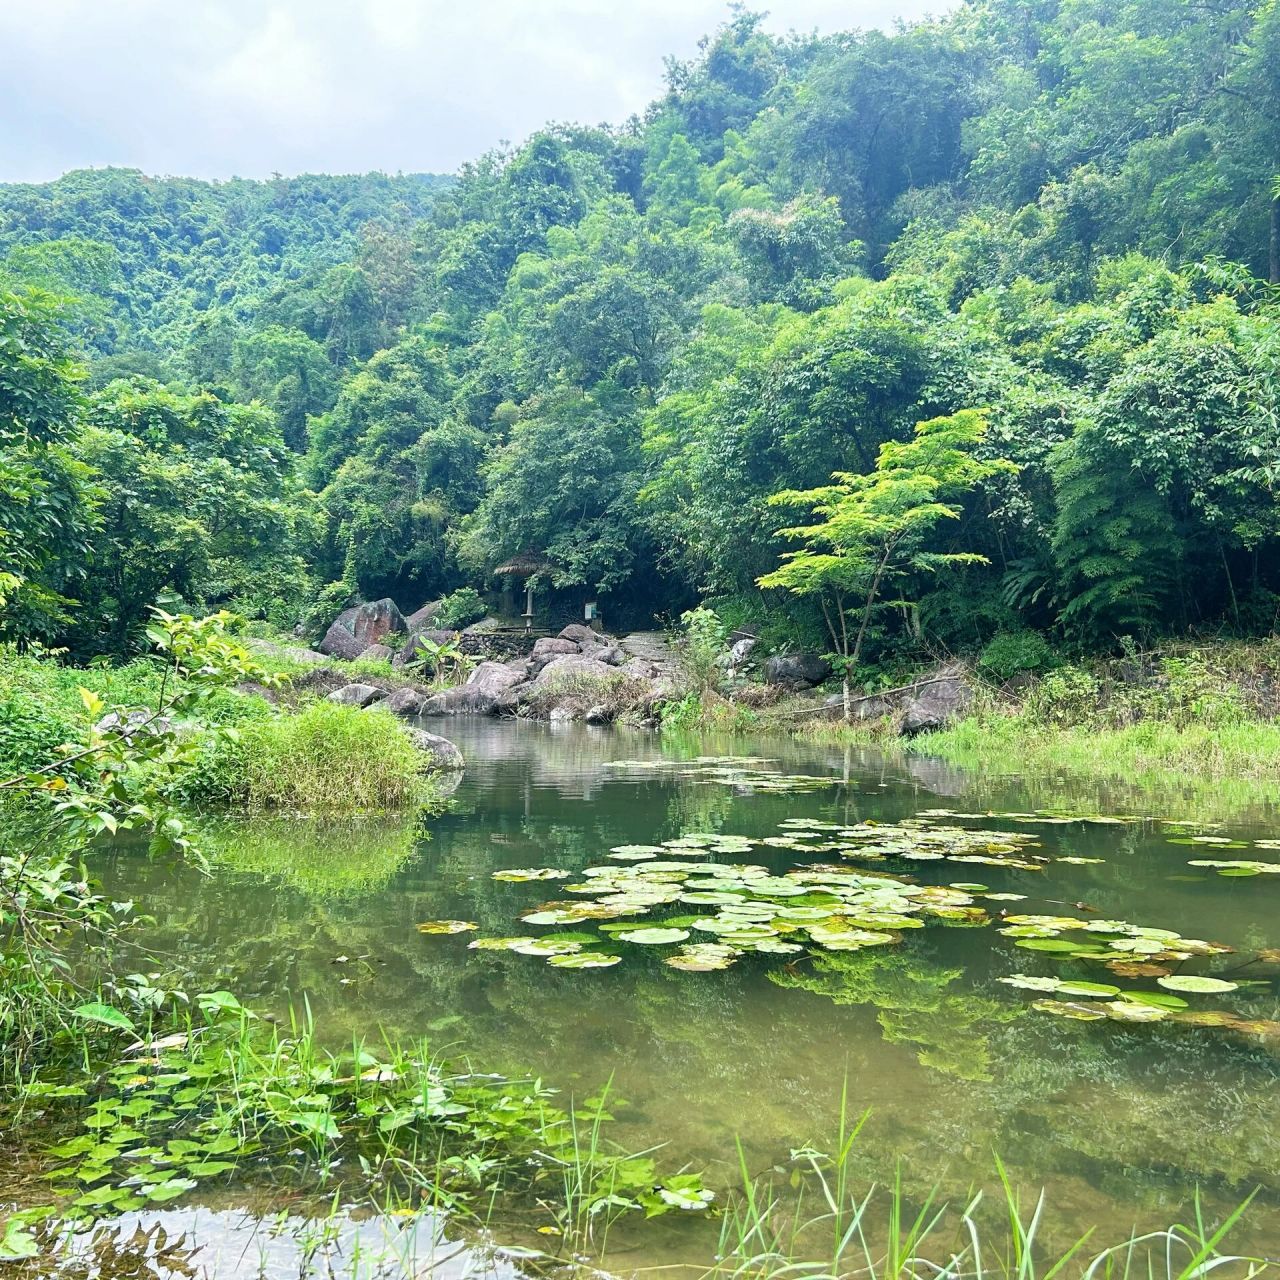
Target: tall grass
(1247, 749)
(326, 758)
(820, 1226)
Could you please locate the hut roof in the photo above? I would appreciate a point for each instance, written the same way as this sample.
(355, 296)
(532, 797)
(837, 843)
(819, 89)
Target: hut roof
(524, 564)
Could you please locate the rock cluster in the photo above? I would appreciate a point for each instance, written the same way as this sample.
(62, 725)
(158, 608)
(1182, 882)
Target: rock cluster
(579, 674)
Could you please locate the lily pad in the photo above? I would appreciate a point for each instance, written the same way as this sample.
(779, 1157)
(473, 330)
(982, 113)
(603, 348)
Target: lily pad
(1197, 985)
(447, 926)
(520, 875)
(584, 960)
(654, 937)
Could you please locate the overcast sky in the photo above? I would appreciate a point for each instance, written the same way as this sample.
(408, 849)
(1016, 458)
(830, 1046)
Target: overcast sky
(215, 88)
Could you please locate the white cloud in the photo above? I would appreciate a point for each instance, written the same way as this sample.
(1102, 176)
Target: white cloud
(220, 87)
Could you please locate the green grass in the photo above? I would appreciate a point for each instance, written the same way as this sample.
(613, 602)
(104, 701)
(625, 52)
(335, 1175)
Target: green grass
(817, 1221)
(322, 759)
(1249, 749)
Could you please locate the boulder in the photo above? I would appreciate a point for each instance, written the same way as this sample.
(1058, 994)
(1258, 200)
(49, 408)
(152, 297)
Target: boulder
(356, 695)
(936, 700)
(377, 653)
(610, 653)
(546, 648)
(570, 667)
(740, 651)
(581, 636)
(598, 715)
(410, 651)
(355, 629)
(860, 708)
(406, 702)
(797, 670)
(421, 618)
(485, 685)
(290, 652)
(638, 669)
(133, 723)
(445, 756)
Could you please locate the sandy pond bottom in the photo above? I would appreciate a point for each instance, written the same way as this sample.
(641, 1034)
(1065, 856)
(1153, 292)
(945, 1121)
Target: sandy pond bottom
(1120, 1122)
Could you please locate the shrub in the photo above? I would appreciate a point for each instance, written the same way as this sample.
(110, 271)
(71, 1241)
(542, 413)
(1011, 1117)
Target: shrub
(460, 608)
(1068, 696)
(326, 758)
(1190, 691)
(701, 646)
(1011, 653)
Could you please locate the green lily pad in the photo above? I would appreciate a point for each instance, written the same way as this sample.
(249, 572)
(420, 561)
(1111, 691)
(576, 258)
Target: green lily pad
(654, 937)
(447, 926)
(545, 947)
(1197, 985)
(584, 960)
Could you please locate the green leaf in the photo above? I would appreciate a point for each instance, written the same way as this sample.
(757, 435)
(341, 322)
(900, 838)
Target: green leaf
(103, 1015)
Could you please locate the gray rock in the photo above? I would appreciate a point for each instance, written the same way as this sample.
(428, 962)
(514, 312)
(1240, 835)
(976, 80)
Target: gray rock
(421, 618)
(486, 684)
(290, 652)
(740, 651)
(547, 648)
(133, 724)
(939, 698)
(610, 653)
(561, 715)
(859, 708)
(410, 651)
(356, 695)
(797, 670)
(580, 635)
(445, 756)
(638, 669)
(569, 667)
(355, 629)
(597, 715)
(377, 653)
(406, 702)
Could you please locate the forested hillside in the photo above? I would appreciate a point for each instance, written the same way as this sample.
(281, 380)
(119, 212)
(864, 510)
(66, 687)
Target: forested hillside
(611, 347)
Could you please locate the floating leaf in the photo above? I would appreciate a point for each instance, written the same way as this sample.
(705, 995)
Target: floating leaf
(584, 960)
(1197, 985)
(1030, 983)
(545, 947)
(1124, 1011)
(520, 875)
(1082, 1012)
(654, 937)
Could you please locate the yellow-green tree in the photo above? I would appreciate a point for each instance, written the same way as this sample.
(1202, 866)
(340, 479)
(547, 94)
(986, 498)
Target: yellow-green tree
(873, 530)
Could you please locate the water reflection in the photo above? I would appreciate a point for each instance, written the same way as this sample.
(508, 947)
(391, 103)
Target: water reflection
(1120, 1123)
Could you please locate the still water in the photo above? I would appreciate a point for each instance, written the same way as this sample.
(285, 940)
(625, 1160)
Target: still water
(1120, 1123)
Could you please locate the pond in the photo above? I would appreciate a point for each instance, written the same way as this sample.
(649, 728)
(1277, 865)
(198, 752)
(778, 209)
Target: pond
(1121, 1121)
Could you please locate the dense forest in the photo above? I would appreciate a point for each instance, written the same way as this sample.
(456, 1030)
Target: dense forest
(1052, 226)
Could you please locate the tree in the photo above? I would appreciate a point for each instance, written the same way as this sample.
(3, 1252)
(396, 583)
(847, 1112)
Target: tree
(874, 529)
(46, 494)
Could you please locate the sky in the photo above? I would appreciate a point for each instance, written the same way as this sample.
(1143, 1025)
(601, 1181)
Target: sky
(222, 88)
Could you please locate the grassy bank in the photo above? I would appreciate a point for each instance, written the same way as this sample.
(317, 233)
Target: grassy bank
(321, 758)
(1249, 749)
(305, 756)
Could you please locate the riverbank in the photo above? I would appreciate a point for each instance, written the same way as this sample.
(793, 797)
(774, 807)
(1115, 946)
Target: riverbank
(1202, 712)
